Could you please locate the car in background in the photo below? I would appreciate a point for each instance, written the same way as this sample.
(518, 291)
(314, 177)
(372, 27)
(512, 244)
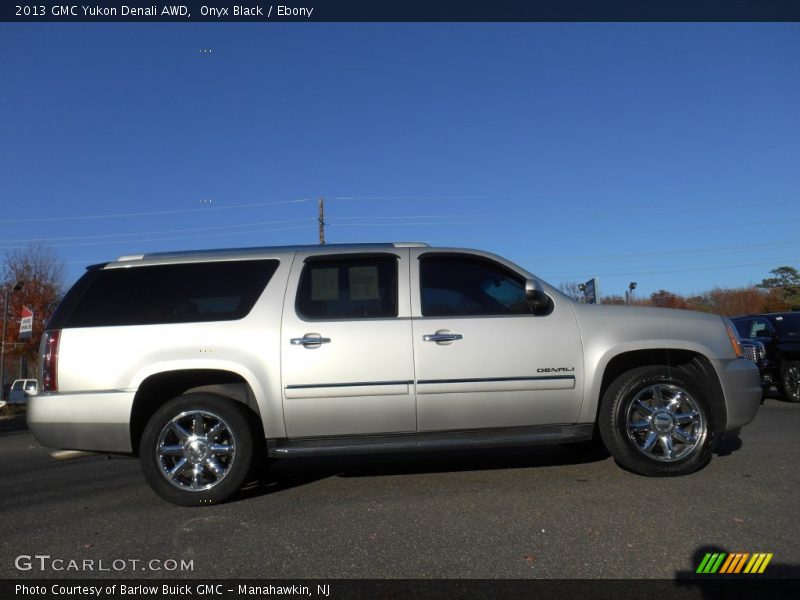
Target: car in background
(780, 335)
(757, 353)
(21, 390)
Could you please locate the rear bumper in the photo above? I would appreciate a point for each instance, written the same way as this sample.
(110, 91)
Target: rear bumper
(98, 422)
(741, 385)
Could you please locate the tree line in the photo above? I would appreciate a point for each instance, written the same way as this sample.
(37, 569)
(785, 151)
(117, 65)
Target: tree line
(779, 293)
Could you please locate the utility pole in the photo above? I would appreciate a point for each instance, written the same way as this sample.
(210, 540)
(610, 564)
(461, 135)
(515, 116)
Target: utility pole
(629, 292)
(321, 221)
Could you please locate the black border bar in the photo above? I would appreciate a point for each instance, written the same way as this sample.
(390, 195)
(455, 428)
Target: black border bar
(699, 587)
(267, 11)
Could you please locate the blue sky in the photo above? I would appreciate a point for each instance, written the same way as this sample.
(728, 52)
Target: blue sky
(667, 154)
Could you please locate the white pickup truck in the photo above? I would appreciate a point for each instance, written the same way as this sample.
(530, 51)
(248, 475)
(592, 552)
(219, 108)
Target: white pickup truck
(21, 390)
(201, 362)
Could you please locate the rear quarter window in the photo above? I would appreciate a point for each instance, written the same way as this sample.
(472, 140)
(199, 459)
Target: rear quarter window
(163, 294)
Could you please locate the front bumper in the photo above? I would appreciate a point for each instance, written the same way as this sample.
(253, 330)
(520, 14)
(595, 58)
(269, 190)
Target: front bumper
(98, 422)
(741, 385)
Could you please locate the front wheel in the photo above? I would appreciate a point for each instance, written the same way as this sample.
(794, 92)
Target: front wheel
(197, 449)
(790, 381)
(658, 420)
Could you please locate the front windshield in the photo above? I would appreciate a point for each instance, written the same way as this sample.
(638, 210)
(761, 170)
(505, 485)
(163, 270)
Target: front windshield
(788, 324)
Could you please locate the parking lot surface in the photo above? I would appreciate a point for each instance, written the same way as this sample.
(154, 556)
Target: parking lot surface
(542, 512)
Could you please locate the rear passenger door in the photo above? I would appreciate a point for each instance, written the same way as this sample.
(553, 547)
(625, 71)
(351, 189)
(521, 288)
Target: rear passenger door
(347, 363)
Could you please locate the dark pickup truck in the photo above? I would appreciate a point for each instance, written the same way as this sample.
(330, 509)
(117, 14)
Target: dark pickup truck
(780, 334)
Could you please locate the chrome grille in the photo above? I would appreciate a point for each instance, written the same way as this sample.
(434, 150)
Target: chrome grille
(750, 351)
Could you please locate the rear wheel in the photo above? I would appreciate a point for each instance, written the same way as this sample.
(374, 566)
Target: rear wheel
(790, 381)
(197, 449)
(658, 420)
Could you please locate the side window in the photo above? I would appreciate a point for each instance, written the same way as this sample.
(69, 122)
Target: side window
(760, 328)
(178, 293)
(348, 287)
(470, 286)
(743, 328)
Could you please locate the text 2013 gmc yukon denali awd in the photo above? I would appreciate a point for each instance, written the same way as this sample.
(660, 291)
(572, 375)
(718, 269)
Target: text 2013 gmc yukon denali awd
(201, 362)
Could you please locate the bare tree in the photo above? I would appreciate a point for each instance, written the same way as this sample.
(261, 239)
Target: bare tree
(41, 273)
(571, 289)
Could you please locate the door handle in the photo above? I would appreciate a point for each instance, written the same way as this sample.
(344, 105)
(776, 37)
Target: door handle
(310, 340)
(441, 336)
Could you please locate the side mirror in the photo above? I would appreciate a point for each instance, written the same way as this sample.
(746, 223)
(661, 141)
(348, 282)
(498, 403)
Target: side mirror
(540, 303)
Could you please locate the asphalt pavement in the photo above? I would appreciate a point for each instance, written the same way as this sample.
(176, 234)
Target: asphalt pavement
(542, 512)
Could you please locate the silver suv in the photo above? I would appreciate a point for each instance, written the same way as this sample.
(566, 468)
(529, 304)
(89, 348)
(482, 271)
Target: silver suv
(201, 362)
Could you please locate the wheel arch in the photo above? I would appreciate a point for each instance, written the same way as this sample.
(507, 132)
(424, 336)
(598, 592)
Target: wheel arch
(670, 357)
(158, 388)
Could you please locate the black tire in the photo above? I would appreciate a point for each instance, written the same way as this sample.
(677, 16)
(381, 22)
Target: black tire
(197, 449)
(648, 412)
(790, 380)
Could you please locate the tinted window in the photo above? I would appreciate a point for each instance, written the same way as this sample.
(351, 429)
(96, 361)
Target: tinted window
(743, 328)
(463, 285)
(759, 328)
(788, 324)
(217, 291)
(348, 287)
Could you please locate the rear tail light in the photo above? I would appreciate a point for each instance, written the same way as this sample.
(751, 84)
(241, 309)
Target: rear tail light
(50, 360)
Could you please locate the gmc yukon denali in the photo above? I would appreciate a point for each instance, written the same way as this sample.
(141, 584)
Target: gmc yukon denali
(200, 363)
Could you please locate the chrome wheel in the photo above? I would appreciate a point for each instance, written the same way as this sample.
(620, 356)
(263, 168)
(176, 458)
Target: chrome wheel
(791, 382)
(195, 450)
(665, 423)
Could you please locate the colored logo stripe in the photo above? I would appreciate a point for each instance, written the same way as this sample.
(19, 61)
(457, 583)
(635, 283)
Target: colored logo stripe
(711, 562)
(758, 563)
(735, 562)
(724, 563)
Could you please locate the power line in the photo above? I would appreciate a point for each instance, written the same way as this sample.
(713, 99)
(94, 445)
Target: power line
(129, 239)
(321, 221)
(401, 217)
(430, 198)
(631, 273)
(670, 252)
(515, 218)
(146, 233)
(151, 213)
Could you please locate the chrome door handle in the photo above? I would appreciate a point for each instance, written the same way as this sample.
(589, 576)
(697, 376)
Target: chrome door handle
(442, 337)
(313, 340)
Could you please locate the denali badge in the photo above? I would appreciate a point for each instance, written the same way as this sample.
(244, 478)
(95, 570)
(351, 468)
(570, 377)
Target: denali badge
(556, 370)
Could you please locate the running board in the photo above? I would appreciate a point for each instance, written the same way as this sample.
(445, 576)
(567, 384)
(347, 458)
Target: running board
(439, 440)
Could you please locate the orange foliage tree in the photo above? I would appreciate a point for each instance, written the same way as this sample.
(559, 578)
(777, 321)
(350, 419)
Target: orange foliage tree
(665, 299)
(42, 276)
